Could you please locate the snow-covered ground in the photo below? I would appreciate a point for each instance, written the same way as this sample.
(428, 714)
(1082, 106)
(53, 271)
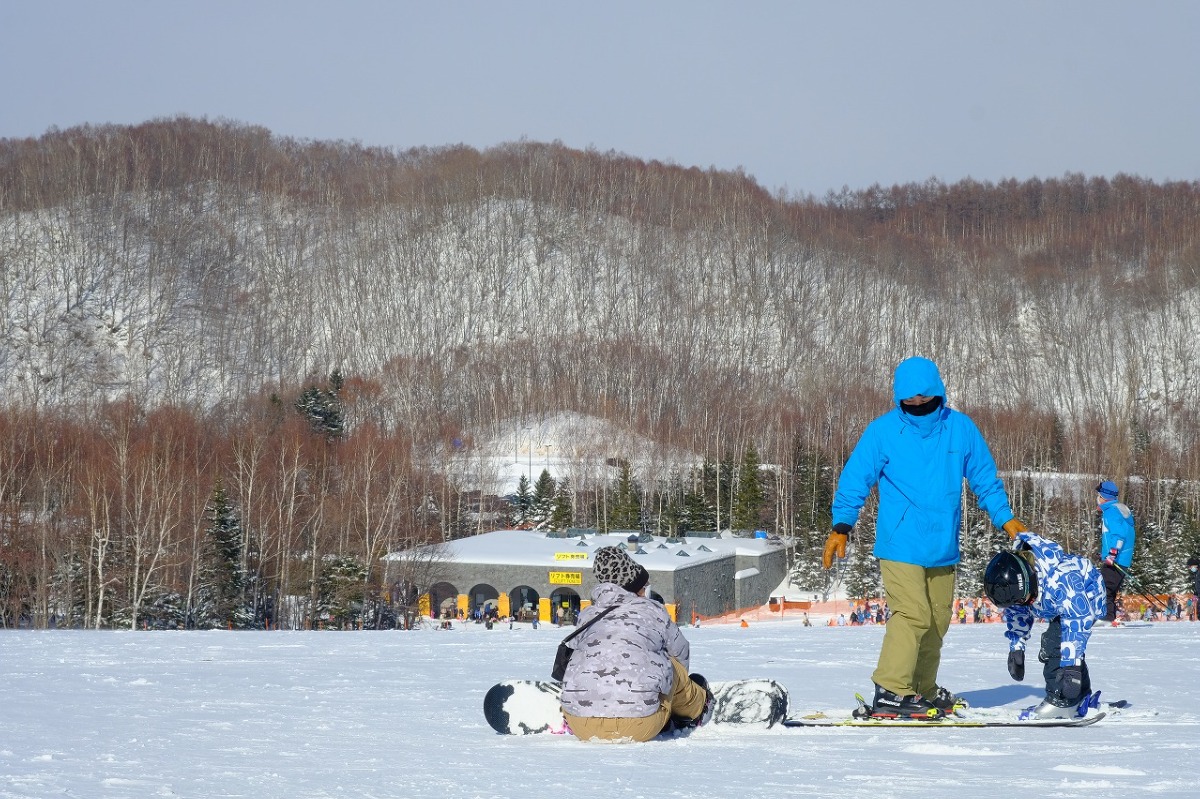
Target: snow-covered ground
(398, 715)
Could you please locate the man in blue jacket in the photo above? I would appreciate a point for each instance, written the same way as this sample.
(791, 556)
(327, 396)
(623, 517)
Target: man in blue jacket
(1116, 543)
(918, 455)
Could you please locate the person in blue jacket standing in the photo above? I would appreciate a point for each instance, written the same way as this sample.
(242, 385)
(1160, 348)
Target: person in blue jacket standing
(918, 455)
(1116, 543)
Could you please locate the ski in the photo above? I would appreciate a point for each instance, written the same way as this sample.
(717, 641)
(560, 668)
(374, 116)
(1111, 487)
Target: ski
(861, 718)
(822, 720)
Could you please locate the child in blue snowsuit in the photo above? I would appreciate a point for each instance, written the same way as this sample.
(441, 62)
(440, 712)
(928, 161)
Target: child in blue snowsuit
(1038, 579)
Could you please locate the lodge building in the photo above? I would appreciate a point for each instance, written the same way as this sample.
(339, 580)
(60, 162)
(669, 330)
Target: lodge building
(528, 574)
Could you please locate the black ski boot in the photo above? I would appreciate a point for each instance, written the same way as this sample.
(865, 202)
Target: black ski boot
(947, 702)
(888, 705)
(684, 723)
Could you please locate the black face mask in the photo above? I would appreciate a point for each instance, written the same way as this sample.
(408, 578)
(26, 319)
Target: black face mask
(924, 409)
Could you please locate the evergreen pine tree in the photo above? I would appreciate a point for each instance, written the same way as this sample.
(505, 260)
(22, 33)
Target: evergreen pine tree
(68, 589)
(222, 594)
(670, 522)
(699, 510)
(341, 591)
(542, 505)
(562, 513)
(806, 571)
(1058, 444)
(625, 504)
(1177, 549)
(724, 505)
(861, 577)
(521, 504)
(748, 499)
(1151, 569)
(1189, 546)
(1156, 566)
(979, 541)
(813, 485)
(323, 407)
(696, 512)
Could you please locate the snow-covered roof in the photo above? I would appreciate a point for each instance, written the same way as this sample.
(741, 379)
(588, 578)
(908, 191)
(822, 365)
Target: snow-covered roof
(534, 548)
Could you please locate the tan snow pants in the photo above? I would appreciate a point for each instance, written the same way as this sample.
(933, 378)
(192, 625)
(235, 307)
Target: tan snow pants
(686, 699)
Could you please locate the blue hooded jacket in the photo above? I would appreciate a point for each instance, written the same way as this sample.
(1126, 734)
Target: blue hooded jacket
(1117, 532)
(919, 463)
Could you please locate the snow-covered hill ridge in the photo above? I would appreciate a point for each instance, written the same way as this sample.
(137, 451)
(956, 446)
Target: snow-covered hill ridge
(200, 263)
(193, 302)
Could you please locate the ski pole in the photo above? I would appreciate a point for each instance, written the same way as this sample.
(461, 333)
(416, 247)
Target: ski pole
(1133, 581)
(1150, 598)
(1140, 589)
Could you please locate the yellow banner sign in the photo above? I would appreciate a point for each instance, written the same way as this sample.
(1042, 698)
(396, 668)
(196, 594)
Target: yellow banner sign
(570, 555)
(566, 578)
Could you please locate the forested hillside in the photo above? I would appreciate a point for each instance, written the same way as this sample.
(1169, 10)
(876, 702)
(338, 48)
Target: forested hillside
(234, 309)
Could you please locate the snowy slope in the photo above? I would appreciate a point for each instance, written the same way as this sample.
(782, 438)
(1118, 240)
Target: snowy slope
(398, 714)
(572, 446)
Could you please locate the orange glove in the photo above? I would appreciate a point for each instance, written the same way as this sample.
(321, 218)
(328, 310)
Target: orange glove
(1013, 526)
(834, 545)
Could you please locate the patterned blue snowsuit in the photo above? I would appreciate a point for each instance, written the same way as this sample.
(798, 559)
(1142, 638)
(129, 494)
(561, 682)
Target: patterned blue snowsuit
(1070, 596)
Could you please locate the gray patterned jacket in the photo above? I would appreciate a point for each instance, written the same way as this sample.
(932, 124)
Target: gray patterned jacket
(622, 664)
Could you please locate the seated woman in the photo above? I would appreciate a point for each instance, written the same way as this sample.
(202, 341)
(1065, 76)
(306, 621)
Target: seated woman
(628, 677)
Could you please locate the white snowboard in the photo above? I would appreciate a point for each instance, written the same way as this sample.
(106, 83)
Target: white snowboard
(526, 707)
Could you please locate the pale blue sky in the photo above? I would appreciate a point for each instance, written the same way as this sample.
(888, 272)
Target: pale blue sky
(803, 96)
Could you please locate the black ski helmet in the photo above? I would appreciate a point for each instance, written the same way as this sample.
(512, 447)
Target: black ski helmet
(1009, 580)
(1193, 561)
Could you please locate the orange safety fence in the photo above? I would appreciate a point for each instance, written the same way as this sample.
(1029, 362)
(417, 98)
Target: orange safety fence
(827, 613)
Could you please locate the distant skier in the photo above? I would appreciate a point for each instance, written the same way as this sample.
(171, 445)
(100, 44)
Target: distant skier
(1038, 579)
(918, 454)
(1193, 565)
(1116, 543)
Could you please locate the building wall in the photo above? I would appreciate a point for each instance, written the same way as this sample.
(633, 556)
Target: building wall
(756, 590)
(705, 588)
(504, 579)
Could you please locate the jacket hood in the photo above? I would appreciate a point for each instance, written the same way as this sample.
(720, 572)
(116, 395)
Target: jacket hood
(917, 376)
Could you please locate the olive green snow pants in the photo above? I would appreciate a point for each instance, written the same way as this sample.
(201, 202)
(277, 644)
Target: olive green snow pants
(920, 601)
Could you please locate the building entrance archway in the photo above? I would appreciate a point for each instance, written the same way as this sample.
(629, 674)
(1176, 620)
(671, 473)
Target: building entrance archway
(483, 600)
(523, 601)
(564, 606)
(443, 600)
